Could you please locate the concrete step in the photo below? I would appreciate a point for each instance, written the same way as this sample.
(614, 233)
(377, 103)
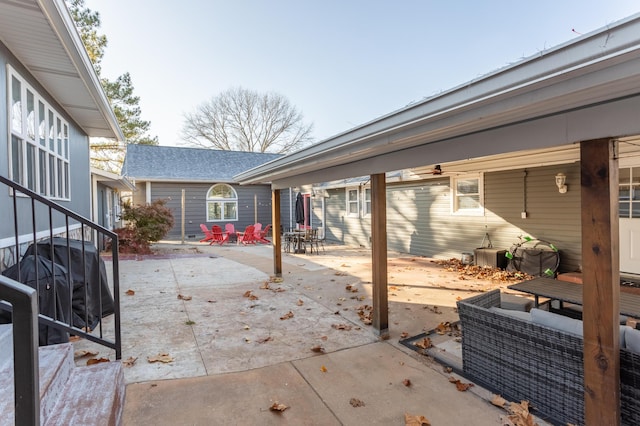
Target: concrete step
(94, 394)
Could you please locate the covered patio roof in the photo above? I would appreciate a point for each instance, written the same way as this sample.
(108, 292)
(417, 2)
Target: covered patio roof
(552, 98)
(584, 92)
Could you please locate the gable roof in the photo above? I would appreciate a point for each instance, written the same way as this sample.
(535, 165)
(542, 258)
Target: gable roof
(587, 88)
(170, 163)
(41, 34)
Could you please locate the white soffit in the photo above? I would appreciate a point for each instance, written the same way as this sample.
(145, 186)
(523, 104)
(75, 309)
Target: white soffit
(41, 34)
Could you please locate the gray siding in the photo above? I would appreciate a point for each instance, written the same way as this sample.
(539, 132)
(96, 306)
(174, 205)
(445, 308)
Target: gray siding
(419, 219)
(80, 181)
(254, 205)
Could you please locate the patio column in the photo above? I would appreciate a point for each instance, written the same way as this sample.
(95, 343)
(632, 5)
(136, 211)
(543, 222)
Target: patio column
(379, 254)
(601, 280)
(275, 225)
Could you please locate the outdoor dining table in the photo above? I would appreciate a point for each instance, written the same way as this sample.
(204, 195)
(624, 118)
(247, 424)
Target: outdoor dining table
(564, 291)
(297, 237)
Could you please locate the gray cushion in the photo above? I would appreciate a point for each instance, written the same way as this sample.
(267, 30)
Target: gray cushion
(525, 316)
(515, 303)
(632, 339)
(558, 322)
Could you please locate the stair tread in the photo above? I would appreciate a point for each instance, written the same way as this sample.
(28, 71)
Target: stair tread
(94, 395)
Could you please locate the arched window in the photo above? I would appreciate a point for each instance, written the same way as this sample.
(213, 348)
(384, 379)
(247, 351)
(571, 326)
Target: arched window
(222, 203)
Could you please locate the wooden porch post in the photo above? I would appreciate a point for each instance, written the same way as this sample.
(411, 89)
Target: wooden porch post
(379, 254)
(275, 226)
(601, 279)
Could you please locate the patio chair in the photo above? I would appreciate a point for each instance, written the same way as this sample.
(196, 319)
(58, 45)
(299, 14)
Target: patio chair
(208, 235)
(248, 236)
(231, 232)
(219, 236)
(261, 236)
(257, 228)
(313, 240)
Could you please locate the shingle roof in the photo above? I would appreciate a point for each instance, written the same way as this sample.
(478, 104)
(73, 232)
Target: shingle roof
(189, 164)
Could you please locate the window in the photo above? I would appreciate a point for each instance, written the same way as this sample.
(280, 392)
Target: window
(366, 202)
(222, 203)
(353, 206)
(36, 131)
(468, 195)
(629, 195)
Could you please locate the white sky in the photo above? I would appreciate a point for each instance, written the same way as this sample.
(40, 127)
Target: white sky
(341, 62)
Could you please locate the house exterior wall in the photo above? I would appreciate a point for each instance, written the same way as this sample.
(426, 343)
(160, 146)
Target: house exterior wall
(254, 205)
(420, 222)
(79, 168)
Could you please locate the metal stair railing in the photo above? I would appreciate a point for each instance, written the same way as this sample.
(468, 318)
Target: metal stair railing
(30, 210)
(25, 350)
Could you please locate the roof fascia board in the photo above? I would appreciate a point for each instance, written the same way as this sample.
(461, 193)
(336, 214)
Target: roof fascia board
(560, 129)
(63, 25)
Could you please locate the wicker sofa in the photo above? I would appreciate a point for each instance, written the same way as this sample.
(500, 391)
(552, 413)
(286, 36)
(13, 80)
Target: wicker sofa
(523, 360)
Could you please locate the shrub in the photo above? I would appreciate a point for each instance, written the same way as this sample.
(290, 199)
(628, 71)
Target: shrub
(145, 224)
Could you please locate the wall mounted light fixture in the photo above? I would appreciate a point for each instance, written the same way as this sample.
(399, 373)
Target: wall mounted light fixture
(561, 179)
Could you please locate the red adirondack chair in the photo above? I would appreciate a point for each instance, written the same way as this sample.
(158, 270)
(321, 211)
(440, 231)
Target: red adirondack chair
(208, 235)
(231, 232)
(248, 236)
(219, 236)
(261, 236)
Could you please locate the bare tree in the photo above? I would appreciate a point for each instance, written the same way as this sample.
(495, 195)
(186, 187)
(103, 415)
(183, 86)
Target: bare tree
(243, 120)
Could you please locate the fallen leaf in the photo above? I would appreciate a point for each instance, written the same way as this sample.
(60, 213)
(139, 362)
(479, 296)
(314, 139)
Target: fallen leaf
(498, 401)
(404, 335)
(340, 274)
(424, 343)
(264, 340)
(278, 407)
(462, 387)
(265, 286)
(129, 292)
(411, 420)
(520, 415)
(211, 301)
(84, 352)
(406, 382)
(250, 295)
(183, 297)
(92, 361)
(341, 327)
(355, 402)
(318, 349)
(443, 328)
(287, 316)
(274, 279)
(162, 357)
(300, 302)
(130, 361)
(323, 368)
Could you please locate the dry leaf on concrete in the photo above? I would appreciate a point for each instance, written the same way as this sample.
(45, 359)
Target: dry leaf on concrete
(84, 352)
(300, 302)
(341, 327)
(277, 407)
(462, 387)
(130, 361)
(183, 297)
(264, 339)
(411, 420)
(424, 343)
(129, 292)
(163, 357)
(274, 279)
(406, 382)
(498, 401)
(355, 402)
(323, 368)
(265, 286)
(318, 349)
(404, 335)
(97, 360)
(287, 316)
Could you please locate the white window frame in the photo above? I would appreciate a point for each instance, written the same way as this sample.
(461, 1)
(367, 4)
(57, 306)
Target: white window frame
(349, 202)
(222, 202)
(366, 203)
(455, 196)
(38, 141)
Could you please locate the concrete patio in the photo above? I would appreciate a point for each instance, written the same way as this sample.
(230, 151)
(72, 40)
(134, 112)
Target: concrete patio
(239, 341)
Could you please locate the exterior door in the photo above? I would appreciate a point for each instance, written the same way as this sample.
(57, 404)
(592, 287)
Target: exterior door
(629, 197)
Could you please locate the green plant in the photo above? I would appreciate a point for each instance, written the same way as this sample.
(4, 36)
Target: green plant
(145, 224)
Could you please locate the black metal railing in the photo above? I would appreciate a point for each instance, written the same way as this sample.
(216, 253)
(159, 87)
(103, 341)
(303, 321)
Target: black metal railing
(65, 247)
(24, 300)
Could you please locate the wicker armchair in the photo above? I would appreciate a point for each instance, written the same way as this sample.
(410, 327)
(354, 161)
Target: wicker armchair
(522, 360)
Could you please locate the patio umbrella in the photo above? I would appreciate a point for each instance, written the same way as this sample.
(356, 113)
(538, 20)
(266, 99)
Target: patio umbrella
(300, 209)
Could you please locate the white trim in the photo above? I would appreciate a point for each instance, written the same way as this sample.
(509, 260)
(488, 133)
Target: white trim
(455, 210)
(25, 238)
(148, 192)
(364, 212)
(348, 201)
